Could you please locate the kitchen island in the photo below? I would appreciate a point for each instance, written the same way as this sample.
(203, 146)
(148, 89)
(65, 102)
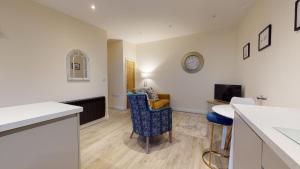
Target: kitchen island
(40, 136)
(266, 137)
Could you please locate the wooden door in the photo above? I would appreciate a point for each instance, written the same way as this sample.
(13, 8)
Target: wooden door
(130, 65)
(130, 69)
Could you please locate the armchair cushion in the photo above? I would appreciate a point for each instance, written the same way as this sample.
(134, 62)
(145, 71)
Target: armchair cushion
(161, 103)
(158, 102)
(151, 93)
(164, 96)
(164, 101)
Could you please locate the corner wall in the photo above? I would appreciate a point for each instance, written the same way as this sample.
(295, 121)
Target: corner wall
(116, 71)
(118, 52)
(273, 72)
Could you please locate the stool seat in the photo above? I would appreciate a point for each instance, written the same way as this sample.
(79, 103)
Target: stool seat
(219, 119)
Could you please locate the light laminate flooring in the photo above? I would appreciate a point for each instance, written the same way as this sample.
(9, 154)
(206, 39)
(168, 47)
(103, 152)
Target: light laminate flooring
(106, 145)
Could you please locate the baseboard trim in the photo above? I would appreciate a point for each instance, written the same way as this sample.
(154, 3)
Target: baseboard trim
(188, 110)
(92, 123)
(122, 108)
(181, 109)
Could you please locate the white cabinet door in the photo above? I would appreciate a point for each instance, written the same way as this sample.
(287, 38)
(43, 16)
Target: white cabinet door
(270, 160)
(52, 144)
(247, 146)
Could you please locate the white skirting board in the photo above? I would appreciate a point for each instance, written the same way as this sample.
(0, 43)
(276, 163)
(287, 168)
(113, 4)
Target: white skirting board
(122, 108)
(180, 109)
(93, 122)
(189, 110)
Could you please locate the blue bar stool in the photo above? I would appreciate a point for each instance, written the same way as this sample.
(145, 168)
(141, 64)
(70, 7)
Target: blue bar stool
(215, 119)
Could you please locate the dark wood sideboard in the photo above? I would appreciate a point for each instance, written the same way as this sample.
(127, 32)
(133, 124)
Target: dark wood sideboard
(93, 108)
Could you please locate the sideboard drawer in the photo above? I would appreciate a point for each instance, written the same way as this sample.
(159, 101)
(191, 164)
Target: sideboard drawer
(93, 109)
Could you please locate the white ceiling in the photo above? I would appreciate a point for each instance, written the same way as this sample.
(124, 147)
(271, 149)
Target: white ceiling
(139, 21)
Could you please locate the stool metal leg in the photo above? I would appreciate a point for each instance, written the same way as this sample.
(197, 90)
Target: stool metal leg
(228, 138)
(211, 152)
(224, 136)
(211, 143)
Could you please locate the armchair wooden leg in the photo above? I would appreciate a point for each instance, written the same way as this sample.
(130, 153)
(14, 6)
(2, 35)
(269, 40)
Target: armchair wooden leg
(147, 145)
(170, 136)
(131, 134)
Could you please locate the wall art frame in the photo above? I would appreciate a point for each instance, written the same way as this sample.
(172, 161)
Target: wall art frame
(246, 51)
(297, 16)
(265, 38)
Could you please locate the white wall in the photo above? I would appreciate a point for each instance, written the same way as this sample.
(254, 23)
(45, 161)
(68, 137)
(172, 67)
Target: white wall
(129, 50)
(118, 52)
(34, 43)
(116, 71)
(273, 72)
(189, 92)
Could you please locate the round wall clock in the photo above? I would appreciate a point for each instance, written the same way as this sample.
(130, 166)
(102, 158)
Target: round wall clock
(192, 62)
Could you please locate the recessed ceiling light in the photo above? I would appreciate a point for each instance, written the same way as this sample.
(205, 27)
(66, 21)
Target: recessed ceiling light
(93, 7)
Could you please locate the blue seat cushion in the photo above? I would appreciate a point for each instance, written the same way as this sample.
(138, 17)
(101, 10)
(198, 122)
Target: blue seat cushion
(219, 119)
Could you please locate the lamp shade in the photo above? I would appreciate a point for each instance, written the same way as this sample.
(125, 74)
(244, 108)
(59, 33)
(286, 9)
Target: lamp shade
(145, 75)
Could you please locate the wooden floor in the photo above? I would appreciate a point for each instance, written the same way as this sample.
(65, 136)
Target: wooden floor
(107, 145)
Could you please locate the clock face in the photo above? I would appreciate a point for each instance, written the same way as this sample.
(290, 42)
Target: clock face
(192, 62)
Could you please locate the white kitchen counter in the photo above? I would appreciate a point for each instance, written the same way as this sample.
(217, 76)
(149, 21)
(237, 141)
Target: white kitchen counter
(263, 120)
(40, 136)
(20, 116)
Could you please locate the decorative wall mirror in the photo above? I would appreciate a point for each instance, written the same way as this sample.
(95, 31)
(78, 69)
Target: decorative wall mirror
(192, 62)
(77, 65)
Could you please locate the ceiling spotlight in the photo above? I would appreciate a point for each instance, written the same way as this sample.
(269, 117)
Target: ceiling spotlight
(93, 7)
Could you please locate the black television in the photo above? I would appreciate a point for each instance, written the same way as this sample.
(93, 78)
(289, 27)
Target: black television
(224, 92)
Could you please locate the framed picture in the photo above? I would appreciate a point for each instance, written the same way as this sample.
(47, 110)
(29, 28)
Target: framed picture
(76, 66)
(246, 51)
(264, 38)
(297, 16)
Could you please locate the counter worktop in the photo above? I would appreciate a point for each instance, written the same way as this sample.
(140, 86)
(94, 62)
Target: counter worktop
(24, 115)
(264, 120)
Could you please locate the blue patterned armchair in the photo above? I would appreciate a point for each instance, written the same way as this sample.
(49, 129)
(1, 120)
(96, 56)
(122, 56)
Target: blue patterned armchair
(147, 122)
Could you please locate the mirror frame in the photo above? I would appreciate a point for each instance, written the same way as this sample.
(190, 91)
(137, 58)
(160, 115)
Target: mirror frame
(73, 53)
